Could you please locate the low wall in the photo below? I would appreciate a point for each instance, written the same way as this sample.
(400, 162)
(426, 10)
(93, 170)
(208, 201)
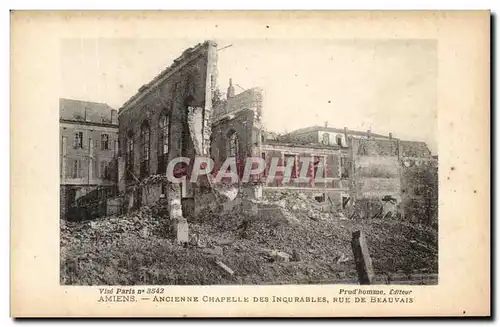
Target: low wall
(114, 206)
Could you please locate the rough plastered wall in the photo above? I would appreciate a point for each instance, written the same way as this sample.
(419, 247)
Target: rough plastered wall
(376, 177)
(376, 168)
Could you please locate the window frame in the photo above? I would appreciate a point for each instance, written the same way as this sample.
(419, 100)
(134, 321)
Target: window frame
(344, 167)
(130, 147)
(75, 169)
(78, 140)
(325, 139)
(163, 141)
(338, 140)
(145, 147)
(233, 149)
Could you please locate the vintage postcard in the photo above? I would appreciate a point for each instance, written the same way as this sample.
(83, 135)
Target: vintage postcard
(250, 164)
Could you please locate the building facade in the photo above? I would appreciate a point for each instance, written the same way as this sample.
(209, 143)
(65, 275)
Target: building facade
(88, 149)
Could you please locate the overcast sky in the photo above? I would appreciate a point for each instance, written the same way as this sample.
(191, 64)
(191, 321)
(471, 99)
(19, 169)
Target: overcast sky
(385, 85)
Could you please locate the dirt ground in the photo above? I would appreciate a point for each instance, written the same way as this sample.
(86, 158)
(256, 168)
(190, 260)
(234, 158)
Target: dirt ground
(286, 246)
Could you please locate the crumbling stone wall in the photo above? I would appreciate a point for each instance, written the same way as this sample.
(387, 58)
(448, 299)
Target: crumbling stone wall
(64, 201)
(376, 177)
(251, 99)
(399, 170)
(188, 83)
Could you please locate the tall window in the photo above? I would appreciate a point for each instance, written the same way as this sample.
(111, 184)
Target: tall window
(344, 167)
(326, 139)
(130, 156)
(163, 139)
(233, 146)
(263, 156)
(145, 136)
(78, 140)
(104, 142)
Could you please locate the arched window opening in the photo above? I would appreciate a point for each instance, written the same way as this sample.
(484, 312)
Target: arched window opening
(129, 163)
(163, 142)
(233, 146)
(145, 149)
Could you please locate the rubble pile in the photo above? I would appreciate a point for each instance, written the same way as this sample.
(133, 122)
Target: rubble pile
(302, 205)
(283, 243)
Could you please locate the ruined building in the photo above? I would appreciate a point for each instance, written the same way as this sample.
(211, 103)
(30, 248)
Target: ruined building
(369, 175)
(180, 114)
(88, 147)
(169, 117)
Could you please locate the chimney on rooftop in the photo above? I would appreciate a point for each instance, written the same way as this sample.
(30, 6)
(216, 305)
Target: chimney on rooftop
(114, 116)
(326, 123)
(369, 133)
(390, 136)
(230, 89)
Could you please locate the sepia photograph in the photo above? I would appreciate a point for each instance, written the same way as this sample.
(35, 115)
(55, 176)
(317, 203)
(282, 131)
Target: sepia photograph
(187, 163)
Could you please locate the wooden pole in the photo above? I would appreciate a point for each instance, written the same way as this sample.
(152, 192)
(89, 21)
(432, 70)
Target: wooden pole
(366, 276)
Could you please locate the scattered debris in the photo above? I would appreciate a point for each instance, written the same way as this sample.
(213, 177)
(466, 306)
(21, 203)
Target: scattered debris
(223, 266)
(279, 245)
(280, 256)
(343, 258)
(216, 250)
